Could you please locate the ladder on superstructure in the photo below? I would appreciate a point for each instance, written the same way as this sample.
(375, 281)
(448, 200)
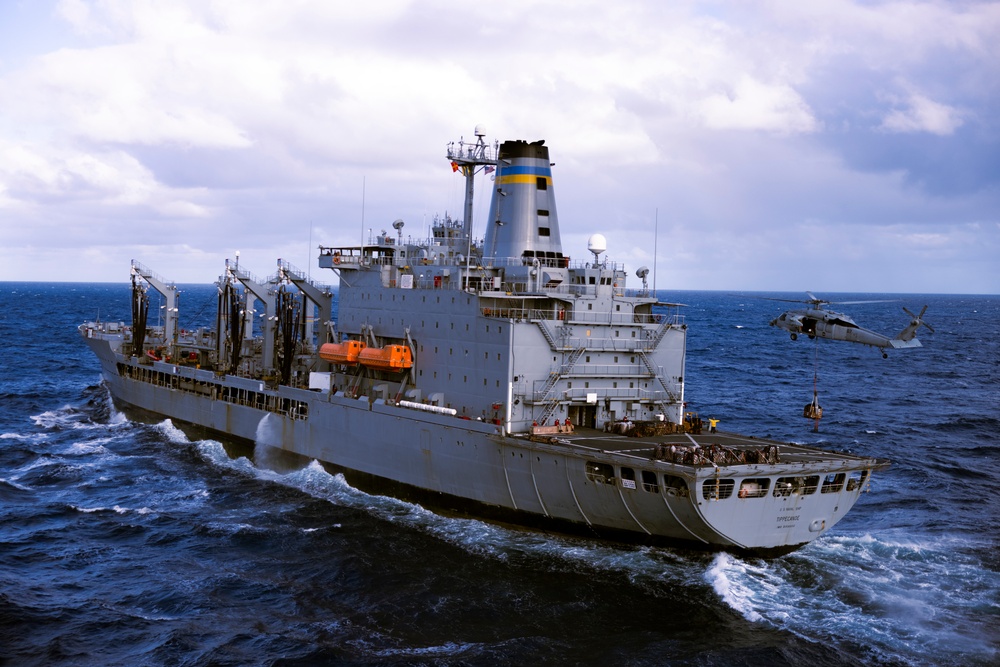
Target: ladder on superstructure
(551, 402)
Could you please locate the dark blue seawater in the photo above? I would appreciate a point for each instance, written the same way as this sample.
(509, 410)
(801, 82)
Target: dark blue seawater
(124, 543)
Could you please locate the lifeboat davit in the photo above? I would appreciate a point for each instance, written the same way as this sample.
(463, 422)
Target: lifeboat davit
(342, 353)
(393, 358)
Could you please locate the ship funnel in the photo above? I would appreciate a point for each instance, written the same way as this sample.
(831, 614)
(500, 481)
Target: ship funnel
(523, 222)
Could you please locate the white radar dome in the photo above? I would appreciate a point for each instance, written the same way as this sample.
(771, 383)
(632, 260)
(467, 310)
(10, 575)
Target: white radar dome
(597, 244)
(480, 130)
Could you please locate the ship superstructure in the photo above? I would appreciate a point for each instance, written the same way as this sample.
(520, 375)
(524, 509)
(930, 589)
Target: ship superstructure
(510, 329)
(496, 376)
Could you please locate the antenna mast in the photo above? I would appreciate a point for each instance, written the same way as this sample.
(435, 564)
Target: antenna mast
(467, 158)
(656, 236)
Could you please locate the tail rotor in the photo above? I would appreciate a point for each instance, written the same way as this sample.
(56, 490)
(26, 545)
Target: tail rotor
(917, 321)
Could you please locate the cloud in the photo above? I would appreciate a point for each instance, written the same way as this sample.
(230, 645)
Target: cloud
(756, 106)
(754, 130)
(923, 115)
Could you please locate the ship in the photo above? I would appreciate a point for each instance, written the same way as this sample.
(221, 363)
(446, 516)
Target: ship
(491, 377)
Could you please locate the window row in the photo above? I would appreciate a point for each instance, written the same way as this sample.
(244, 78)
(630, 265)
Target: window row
(721, 489)
(759, 487)
(647, 480)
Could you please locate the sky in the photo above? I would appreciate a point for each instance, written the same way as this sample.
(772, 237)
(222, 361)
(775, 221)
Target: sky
(831, 145)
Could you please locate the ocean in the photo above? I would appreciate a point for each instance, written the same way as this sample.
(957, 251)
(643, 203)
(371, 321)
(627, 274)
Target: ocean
(132, 543)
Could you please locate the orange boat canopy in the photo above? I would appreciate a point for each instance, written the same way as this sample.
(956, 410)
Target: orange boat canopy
(389, 358)
(342, 353)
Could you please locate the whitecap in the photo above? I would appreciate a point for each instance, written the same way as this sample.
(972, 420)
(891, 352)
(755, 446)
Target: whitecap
(127, 510)
(893, 594)
(61, 418)
(30, 438)
(450, 649)
(88, 510)
(171, 432)
(726, 576)
(87, 448)
(645, 566)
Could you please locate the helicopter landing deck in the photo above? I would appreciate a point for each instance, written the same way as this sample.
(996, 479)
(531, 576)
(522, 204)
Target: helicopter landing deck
(704, 449)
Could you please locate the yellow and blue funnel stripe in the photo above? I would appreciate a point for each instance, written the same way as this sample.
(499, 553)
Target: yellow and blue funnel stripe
(524, 174)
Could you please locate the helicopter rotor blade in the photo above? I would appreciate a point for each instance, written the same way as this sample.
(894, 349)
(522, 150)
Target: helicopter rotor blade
(771, 298)
(856, 302)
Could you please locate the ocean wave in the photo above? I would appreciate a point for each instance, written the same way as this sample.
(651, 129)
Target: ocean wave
(891, 595)
(985, 424)
(732, 589)
(116, 509)
(30, 438)
(71, 417)
(10, 489)
(646, 567)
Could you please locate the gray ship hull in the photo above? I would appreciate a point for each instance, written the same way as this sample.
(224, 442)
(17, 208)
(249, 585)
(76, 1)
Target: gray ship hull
(473, 468)
(496, 377)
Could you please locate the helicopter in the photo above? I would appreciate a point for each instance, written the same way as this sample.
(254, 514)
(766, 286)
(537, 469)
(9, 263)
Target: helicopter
(817, 321)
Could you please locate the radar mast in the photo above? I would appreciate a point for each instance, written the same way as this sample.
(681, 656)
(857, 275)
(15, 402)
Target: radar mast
(468, 157)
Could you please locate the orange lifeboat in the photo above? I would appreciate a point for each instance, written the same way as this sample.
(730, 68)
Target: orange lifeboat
(342, 353)
(389, 358)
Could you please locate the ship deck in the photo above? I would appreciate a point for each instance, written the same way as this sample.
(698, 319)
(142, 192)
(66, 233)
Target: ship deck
(655, 447)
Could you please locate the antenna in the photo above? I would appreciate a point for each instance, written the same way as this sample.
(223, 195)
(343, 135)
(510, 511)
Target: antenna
(597, 244)
(642, 272)
(656, 235)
